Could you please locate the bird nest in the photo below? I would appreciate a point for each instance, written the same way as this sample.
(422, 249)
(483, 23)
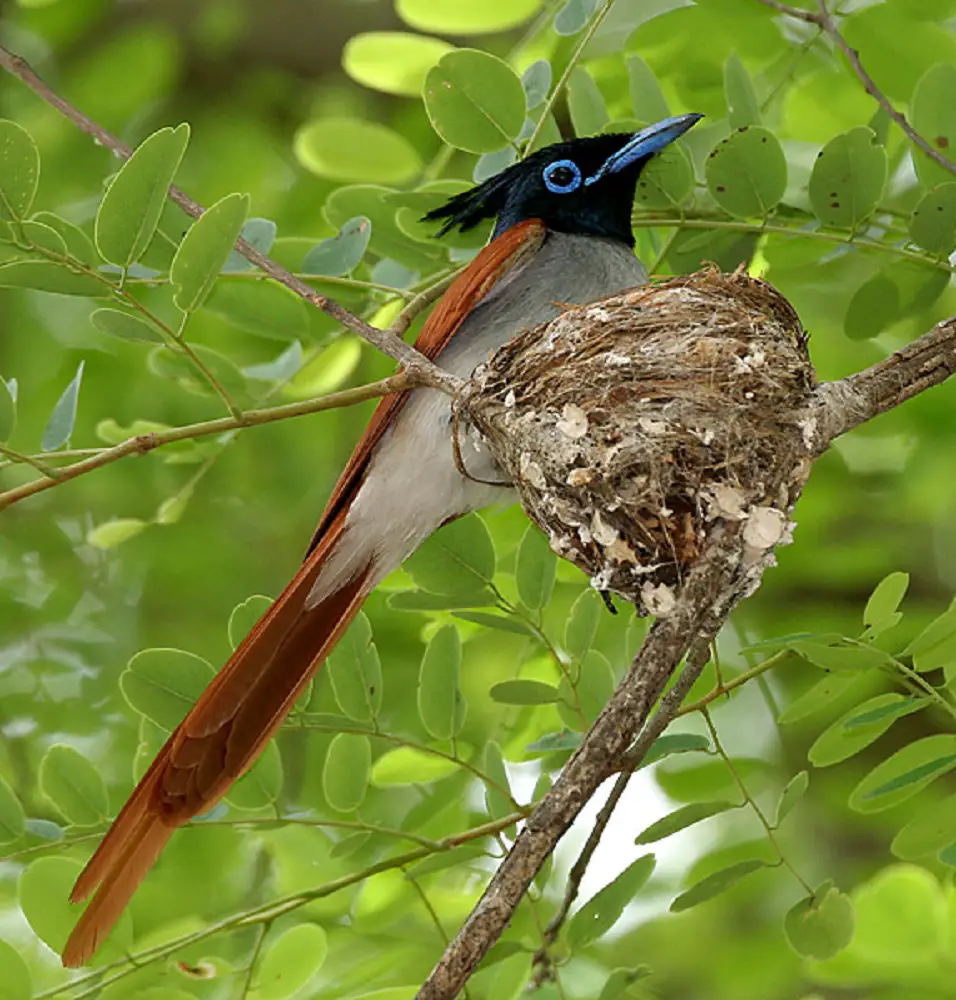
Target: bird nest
(632, 428)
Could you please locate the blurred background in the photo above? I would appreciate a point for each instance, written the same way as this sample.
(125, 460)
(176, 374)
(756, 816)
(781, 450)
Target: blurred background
(258, 84)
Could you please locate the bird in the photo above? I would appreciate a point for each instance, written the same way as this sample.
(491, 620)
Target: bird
(562, 233)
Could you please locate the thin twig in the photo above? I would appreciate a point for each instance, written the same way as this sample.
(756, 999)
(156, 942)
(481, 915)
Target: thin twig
(387, 341)
(823, 19)
(143, 443)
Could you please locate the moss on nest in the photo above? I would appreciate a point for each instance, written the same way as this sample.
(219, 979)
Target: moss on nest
(633, 427)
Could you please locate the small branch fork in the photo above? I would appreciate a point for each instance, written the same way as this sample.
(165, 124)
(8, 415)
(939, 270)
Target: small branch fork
(387, 341)
(823, 19)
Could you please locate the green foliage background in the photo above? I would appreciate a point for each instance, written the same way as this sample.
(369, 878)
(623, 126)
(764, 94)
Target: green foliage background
(161, 553)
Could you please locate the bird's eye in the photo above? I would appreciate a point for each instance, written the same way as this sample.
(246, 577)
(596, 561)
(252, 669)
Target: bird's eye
(562, 177)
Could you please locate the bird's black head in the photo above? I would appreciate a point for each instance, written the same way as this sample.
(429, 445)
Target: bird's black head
(581, 186)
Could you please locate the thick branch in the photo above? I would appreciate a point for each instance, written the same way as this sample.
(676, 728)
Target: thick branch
(387, 341)
(598, 756)
(823, 19)
(840, 406)
(147, 442)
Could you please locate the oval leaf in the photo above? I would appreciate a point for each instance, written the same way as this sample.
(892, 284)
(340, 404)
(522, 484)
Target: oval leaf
(841, 740)
(602, 911)
(125, 326)
(204, 250)
(14, 974)
(410, 766)
(747, 172)
(440, 704)
(112, 533)
(907, 772)
(11, 815)
(791, 795)
(261, 785)
(458, 560)
(680, 819)
(933, 224)
(715, 884)
(129, 213)
(497, 790)
(45, 276)
(356, 672)
(345, 776)
(581, 628)
(164, 684)
(475, 101)
(464, 17)
(848, 178)
(743, 107)
(820, 926)
(535, 567)
(524, 692)
(933, 116)
(875, 305)
(349, 149)
(289, 962)
(73, 785)
(19, 170)
(341, 254)
(60, 425)
(261, 307)
(394, 62)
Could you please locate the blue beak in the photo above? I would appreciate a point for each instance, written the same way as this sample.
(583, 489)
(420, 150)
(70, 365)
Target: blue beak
(645, 143)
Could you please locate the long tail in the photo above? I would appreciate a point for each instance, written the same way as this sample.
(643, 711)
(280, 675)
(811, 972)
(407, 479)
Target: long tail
(218, 740)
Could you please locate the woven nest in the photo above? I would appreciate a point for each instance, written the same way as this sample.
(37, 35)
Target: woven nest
(633, 427)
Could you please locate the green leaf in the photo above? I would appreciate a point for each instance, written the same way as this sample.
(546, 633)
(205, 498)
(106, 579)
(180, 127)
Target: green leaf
(715, 884)
(711, 778)
(340, 254)
(109, 534)
(536, 81)
(458, 560)
(42, 237)
(46, 276)
(125, 326)
(555, 742)
(259, 233)
(743, 108)
(927, 832)
(573, 16)
(73, 785)
(933, 224)
(497, 802)
(289, 962)
(667, 180)
(791, 795)
(602, 911)
(261, 307)
(819, 697)
(582, 624)
(421, 600)
(60, 425)
(839, 740)
(244, 616)
(345, 776)
(535, 567)
(463, 17)
(475, 101)
(129, 213)
(8, 408)
(14, 974)
(11, 815)
(503, 623)
(43, 891)
(747, 172)
(892, 710)
(937, 634)
(78, 244)
(349, 149)
(394, 62)
(672, 743)
(820, 926)
(261, 785)
(524, 692)
(680, 819)
(19, 170)
(842, 658)
(281, 369)
(586, 103)
(204, 250)
(647, 98)
(848, 178)
(356, 672)
(164, 684)
(620, 979)
(874, 307)
(905, 773)
(440, 704)
(409, 766)
(581, 705)
(933, 116)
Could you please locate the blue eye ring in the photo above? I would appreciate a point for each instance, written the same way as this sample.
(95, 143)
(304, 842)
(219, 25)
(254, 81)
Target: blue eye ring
(568, 186)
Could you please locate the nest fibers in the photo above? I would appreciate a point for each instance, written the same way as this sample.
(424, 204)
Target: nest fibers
(634, 427)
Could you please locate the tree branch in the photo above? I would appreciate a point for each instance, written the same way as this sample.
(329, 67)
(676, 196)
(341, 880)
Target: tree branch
(703, 604)
(387, 341)
(823, 19)
(143, 443)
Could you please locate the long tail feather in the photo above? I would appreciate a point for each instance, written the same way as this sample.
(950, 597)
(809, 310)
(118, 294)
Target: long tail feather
(218, 740)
